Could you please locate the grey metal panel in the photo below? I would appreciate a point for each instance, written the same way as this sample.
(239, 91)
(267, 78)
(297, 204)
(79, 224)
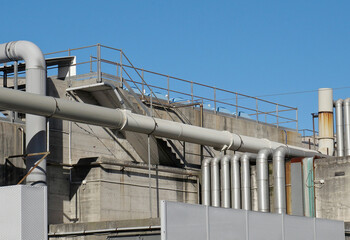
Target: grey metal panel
(23, 212)
(265, 226)
(227, 224)
(326, 229)
(183, 221)
(297, 189)
(301, 228)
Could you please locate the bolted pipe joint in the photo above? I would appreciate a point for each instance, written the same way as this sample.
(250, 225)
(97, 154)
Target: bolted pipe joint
(262, 178)
(225, 181)
(215, 181)
(206, 181)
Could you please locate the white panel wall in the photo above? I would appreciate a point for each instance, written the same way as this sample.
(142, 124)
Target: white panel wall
(180, 221)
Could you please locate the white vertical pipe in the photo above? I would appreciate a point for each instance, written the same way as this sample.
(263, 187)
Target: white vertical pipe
(340, 127)
(206, 181)
(225, 181)
(245, 182)
(262, 178)
(215, 182)
(235, 182)
(346, 111)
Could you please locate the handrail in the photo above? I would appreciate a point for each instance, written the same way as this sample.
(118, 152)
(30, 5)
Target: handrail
(235, 104)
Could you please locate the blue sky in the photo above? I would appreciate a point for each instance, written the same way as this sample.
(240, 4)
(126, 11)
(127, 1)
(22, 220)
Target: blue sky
(258, 48)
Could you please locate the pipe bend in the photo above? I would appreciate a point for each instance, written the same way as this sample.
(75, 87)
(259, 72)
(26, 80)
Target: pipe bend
(27, 51)
(206, 162)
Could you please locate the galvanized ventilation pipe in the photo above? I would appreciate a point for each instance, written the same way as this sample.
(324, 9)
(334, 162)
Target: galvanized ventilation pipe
(215, 181)
(340, 127)
(347, 126)
(262, 179)
(35, 83)
(245, 181)
(225, 181)
(235, 182)
(206, 181)
(325, 121)
(279, 156)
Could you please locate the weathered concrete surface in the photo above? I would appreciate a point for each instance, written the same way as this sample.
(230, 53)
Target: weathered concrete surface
(71, 231)
(333, 197)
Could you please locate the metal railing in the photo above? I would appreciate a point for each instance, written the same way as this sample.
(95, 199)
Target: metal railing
(162, 88)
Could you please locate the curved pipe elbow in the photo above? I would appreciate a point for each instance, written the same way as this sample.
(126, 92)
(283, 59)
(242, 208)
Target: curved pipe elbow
(27, 51)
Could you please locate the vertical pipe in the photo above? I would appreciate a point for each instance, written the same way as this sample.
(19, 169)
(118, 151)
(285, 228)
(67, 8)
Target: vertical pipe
(215, 182)
(325, 121)
(206, 181)
(235, 182)
(340, 127)
(149, 175)
(225, 181)
(279, 179)
(15, 84)
(245, 180)
(262, 178)
(346, 110)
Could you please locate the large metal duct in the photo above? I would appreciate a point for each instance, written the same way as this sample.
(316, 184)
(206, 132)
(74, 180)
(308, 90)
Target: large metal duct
(262, 179)
(245, 181)
(35, 83)
(215, 181)
(325, 121)
(127, 121)
(347, 126)
(225, 181)
(279, 174)
(235, 182)
(206, 181)
(340, 127)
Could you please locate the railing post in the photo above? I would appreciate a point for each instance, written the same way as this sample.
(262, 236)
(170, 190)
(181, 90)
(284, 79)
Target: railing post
(192, 91)
(143, 83)
(99, 63)
(91, 64)
(236, 105)
(121, 67)
(168, 89)
(257, 110)
(297, 125)
(215, 99)
(277, 114)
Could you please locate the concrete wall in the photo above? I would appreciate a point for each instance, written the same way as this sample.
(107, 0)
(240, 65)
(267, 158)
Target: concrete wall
(333, 197)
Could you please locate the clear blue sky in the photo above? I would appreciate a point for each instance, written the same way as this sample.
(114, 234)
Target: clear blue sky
(253, 47)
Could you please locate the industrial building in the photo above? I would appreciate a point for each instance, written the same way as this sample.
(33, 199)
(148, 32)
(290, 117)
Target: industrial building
(93, 147)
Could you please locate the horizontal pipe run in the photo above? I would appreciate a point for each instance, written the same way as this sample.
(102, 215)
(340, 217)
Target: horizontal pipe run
(125, 120)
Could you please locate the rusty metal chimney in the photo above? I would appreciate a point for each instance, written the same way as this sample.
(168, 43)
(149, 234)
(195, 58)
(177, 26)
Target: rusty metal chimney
(325, 121)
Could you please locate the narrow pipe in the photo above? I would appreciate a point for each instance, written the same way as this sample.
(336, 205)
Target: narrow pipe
(206, 181)
(35, 83)
(215, 182)
(340, 127)
(245, 180)
(235, 182)
(279, 156)
(346, 111)
(262, 178)
(225, 182)
(125, 120)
